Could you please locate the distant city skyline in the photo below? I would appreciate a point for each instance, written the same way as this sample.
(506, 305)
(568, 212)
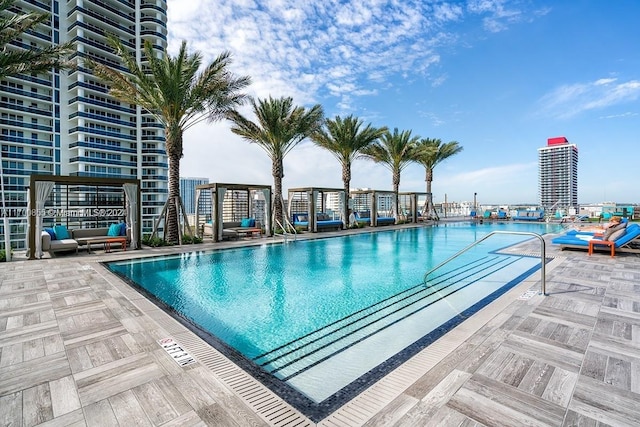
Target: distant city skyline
(500, 77)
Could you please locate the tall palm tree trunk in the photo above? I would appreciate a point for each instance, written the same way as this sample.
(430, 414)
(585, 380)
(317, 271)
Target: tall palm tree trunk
(396, 188)
(346, 181)
(174, 153)
(278, 174)
(429, 180)
(171, 233)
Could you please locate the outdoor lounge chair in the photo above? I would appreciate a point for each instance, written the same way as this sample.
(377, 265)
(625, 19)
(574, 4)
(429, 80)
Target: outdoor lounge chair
(583, 240)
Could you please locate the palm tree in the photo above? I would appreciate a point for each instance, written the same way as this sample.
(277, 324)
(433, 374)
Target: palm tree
(395, 151)
(345, 139)
(280, 126)
(432, 152)
(178, 96)
(18, 61)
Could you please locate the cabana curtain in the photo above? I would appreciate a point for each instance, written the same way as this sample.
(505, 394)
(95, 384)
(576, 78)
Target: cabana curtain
(218, 214)
(131, 192)
(266, 193)
(43, 190)
(313, 212)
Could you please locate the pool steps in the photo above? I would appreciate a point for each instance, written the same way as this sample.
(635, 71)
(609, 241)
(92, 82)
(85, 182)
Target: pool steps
(293, 358)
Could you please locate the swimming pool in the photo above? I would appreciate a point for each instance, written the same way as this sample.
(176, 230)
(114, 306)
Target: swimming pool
(325, 318)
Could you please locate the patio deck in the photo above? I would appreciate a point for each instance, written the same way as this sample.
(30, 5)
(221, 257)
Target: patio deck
(79, 347)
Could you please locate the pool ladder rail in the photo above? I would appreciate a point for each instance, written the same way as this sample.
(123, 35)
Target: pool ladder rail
(285, 232)
(543, 285)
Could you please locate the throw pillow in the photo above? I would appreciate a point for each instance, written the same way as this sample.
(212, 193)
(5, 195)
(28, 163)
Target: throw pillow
(114, 230)
(617, 234)
(61, 232)
(252, 222)
(609, 231)
(245, 222)
(123, 229)
(51, 233)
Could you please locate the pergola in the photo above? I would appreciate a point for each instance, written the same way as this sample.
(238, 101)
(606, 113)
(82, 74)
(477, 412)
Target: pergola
(368, 200)
(229, 202)
(311, 200)
(83, 202)
(414, 203)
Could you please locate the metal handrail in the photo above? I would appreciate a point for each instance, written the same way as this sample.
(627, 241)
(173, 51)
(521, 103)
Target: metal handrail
(284, 230)
(543, 284)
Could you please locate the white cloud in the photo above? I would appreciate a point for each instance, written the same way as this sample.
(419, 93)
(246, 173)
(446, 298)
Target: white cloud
(570, 100)
(617, 116)
(335, 51)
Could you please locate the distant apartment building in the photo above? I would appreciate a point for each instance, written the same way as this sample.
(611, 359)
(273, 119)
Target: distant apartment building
(558, 175)
(65, 123)
(188, 193)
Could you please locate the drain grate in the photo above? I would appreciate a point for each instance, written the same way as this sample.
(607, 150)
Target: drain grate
(528, 294)
(177, 353)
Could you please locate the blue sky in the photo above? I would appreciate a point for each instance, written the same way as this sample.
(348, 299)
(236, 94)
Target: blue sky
(498, 76)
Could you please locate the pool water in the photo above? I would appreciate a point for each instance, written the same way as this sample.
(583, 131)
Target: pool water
(301, 311)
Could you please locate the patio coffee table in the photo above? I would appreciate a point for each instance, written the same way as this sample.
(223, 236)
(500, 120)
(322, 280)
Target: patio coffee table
(121, 240)
(249, 231)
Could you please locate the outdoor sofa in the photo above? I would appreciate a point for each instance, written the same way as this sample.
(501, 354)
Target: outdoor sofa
(60, 239)
(365, 218)
(529, 216)
(232, 230)
(323, 221)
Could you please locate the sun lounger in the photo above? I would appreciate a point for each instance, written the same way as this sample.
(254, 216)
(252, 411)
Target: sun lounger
(581, 240)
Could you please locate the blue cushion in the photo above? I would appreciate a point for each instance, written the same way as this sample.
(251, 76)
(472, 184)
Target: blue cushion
(300, 218)
(252, 222)
(245, 222)
(61, 232)
(51, 233)
(123, 228)
(114, 230)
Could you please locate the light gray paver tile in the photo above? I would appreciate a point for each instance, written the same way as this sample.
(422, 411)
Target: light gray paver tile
(37, 406)
(64, 396)
(100, 414)
(128, 411)
(11, 409)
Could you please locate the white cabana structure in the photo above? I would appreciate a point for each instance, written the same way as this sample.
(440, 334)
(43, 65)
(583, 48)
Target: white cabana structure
(81, 202)
(413, 206)
(316, 208)
(219, 203)
(374, 207)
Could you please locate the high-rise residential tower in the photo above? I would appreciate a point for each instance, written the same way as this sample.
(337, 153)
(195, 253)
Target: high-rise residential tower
(558, 174)
(188, 193)
(65, 123)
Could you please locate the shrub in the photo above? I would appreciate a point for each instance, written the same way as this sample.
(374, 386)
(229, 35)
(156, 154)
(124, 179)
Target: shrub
(189, 240)
(155, 242)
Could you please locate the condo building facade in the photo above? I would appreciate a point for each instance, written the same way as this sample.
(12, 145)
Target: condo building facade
(188, 193)
(558, 175)
(65, 122)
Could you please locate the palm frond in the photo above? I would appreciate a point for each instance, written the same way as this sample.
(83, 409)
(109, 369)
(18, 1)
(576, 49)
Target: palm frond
(18, 60)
